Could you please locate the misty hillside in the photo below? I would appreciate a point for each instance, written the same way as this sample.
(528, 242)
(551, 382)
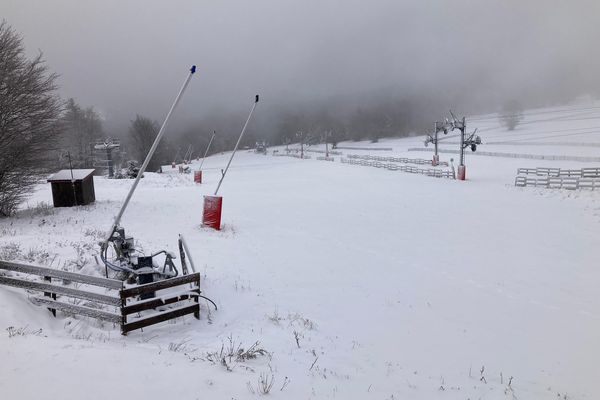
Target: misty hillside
(358, 282)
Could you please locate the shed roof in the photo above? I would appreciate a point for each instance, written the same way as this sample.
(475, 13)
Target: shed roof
(65, 175)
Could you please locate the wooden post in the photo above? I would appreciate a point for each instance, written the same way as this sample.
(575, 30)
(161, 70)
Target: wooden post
(197, 300)
(51, 295)
(123, 315)
(121, 309)
(184, 268)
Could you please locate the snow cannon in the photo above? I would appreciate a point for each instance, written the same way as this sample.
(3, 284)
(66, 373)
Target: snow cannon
(211, 216)
(198, 176)
(118, 252)
(121, 256)
(213, 205)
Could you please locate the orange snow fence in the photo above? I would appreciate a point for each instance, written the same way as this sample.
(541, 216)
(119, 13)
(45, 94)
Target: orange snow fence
(198, 176)
(212, 212)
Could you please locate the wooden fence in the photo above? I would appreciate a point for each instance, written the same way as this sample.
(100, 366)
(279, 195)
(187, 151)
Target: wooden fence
(437, 173)
(419, 161)
(103, 293)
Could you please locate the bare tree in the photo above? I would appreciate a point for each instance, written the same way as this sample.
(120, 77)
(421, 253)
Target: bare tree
(29, 119)
(142, 133)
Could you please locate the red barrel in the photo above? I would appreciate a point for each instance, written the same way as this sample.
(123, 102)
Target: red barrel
(436, 160)
(462, 172)
(172, 165)
(212, 212)
(198, 176)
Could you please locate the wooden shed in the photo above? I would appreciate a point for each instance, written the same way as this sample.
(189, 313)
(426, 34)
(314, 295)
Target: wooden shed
(72, 187)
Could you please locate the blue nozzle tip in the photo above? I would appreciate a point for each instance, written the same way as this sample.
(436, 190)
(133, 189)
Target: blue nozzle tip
(193, 69)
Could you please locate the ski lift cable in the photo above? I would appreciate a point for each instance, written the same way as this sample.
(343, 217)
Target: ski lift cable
(550, 136)
(541, 121)
(527, 114)
(535, 134)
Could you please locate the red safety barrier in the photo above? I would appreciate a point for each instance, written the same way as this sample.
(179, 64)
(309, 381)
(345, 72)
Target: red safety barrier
(462, 172)
(212, 212)
(198, 176)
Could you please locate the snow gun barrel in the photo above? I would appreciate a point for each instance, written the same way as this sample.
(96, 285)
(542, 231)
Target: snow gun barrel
(207, 147)
(159, 136)
(237, 144)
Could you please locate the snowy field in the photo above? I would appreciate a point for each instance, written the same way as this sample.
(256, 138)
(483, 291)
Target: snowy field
(359, 282)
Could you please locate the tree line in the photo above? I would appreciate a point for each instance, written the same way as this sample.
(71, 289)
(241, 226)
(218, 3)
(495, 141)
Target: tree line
(39, 131)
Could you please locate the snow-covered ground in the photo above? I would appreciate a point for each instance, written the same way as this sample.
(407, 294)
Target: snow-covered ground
(361, 283)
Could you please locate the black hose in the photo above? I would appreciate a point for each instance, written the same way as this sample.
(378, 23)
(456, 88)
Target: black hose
(110, 265)
(213, 303)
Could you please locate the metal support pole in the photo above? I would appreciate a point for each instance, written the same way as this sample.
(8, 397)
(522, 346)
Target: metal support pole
(161, 132)
(72, 179)
(207, 147)
(189, 255)
(463, 129)
(237, 144)
(327, 135)
(435, 141)
(111, 170)
(462, 169)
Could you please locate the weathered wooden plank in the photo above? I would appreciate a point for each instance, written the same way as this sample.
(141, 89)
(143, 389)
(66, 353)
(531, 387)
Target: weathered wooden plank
(50, 288)
(79, 310)
(156, 302)
(155, 319)
(52, 295)
(55, 273)
(154, 286)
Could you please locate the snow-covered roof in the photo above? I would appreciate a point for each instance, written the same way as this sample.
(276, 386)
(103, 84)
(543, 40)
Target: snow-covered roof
(65, 174)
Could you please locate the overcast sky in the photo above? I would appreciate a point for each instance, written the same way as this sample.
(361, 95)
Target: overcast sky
(128, 57)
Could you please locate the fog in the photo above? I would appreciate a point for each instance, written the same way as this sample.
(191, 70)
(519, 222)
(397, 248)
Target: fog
(130, 57)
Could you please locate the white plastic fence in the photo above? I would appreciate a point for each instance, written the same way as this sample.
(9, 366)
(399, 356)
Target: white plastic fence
(291, 155)
(364, 148)
(558, 182)
(515, 155)
(332, 152)
(582, 173)
(420, 161)
(437, 173)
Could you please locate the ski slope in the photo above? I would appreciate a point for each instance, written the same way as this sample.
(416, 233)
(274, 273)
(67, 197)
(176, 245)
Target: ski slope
(361, 283)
